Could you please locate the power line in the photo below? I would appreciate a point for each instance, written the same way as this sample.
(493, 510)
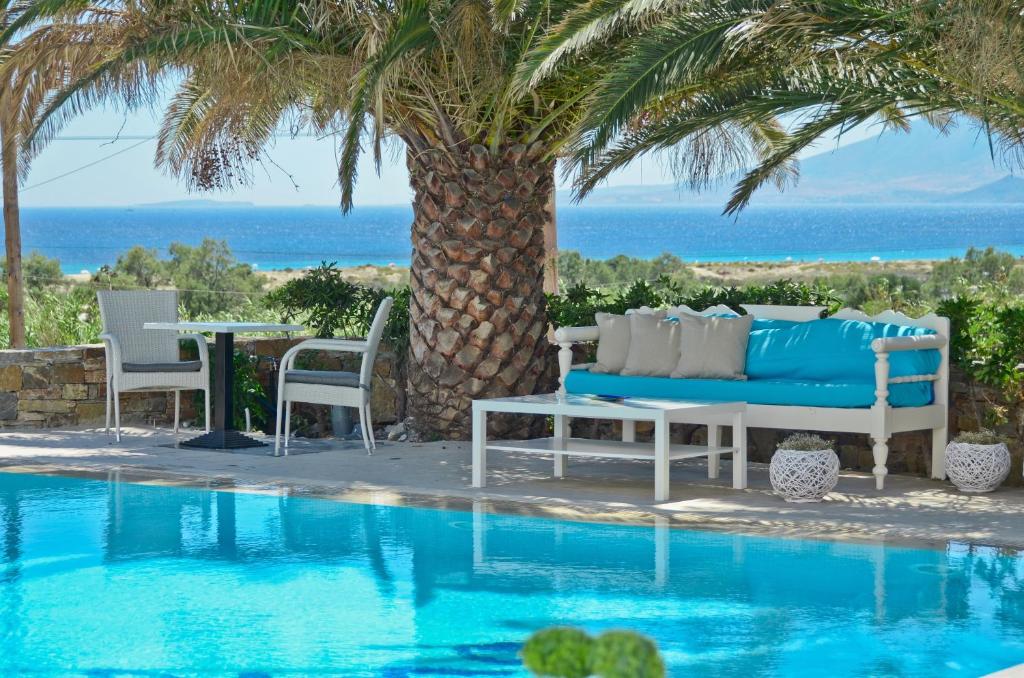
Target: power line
(135, 137)
(86, 166)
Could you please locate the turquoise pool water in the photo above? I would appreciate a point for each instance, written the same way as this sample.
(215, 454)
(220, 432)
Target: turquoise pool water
(113, 579)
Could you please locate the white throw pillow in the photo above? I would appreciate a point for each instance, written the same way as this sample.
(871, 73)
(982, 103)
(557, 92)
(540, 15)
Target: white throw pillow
(653, 346)
(712, 348)
(612, 343)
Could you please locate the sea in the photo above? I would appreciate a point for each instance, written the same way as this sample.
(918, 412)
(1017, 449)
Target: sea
(273, 238)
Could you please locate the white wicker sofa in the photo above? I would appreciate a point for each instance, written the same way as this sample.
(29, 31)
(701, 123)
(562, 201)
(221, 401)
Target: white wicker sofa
(871, 413)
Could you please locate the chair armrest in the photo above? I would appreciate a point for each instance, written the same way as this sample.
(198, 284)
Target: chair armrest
(918, 343)
(201, 345)
(338, 345)
(112, 348)
(576, 335)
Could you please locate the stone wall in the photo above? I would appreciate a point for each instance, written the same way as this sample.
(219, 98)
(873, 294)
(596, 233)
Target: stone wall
(64, 387)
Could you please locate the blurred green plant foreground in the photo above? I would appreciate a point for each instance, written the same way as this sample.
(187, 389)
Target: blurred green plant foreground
(566, 652)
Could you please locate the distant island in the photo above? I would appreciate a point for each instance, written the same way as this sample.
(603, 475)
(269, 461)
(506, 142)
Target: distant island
(204, 204)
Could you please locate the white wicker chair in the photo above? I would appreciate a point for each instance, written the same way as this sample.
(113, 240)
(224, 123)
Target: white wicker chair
(324, 387)
(148, 360)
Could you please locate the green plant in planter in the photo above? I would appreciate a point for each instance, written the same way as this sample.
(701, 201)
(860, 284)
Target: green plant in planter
(566, 652)
(805, 442)
(981, 437)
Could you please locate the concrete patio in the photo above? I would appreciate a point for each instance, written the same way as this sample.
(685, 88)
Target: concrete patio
(911, 510)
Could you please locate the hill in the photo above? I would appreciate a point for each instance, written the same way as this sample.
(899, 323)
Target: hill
(921, 166)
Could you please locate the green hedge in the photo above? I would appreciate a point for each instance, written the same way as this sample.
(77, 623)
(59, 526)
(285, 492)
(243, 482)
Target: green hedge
(578, 304)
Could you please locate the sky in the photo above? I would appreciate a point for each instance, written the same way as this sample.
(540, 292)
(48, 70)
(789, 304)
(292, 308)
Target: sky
(305, 171)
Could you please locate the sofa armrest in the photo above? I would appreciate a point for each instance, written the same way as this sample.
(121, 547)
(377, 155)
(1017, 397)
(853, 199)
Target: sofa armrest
(576, 335)
(565, 337)
(918, 343)
(885, 345)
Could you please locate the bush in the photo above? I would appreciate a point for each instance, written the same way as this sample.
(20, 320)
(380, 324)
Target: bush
(565, 652)
(577, 306)
(987, 343)
(625, 654)
(559, 651)
(211, 281)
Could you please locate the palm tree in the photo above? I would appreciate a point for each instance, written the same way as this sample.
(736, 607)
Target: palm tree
(31, 68)
(805, 68)
(438, 75)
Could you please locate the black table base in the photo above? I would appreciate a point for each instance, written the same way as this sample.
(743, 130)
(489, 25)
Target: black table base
(222, 440)
(224, 435)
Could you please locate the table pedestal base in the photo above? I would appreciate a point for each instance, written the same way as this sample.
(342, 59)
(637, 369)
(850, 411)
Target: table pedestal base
(222, 440)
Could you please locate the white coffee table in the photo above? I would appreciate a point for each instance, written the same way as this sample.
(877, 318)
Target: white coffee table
(629, 411)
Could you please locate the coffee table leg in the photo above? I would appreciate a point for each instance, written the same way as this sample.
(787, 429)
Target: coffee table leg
(479, 446)
(739, 457)
(661, 467)
(714, 440)
(628, 431)
(561, 434)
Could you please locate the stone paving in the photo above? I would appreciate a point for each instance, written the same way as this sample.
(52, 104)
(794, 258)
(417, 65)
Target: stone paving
(910, 510)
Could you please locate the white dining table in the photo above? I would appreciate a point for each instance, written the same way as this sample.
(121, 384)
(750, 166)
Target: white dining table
(223, 435)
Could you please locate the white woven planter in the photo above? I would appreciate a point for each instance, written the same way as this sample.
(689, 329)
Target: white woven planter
(804, 476)
(977, 468)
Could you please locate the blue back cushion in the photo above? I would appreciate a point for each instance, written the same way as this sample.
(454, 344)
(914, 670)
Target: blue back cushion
(830, 350)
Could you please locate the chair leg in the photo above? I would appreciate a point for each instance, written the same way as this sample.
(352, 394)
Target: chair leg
(117, 415)
(287, 424)
(206, 393)
(278, 416)
(110, 390)
(369, 427)
(362, 429)
(177, 410)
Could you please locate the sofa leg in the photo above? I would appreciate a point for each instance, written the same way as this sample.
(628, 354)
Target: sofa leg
(881, 454)
(939, 440)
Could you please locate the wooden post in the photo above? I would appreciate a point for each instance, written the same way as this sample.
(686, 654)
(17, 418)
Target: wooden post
(12, 237)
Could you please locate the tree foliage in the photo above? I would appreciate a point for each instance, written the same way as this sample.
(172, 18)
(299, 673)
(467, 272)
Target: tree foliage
(684, 75)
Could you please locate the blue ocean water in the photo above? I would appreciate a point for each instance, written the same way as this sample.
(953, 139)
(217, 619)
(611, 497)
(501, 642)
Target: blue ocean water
(106, 578)
(294, 237)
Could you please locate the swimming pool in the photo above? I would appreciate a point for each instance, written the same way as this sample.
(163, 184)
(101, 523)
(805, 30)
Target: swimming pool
(116, 578)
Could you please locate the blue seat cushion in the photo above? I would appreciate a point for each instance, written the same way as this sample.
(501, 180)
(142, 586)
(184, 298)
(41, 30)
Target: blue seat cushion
(831, 350)
(753, 391)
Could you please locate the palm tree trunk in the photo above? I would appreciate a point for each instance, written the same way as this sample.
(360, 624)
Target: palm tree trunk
(478, 315)
(12, 238)
(551, 247)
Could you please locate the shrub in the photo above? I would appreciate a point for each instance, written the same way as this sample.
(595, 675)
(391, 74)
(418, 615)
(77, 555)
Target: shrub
(579, 303)
(626, 654)
(565, 652)
(987, 343)
(805, 442)
(559, 651)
